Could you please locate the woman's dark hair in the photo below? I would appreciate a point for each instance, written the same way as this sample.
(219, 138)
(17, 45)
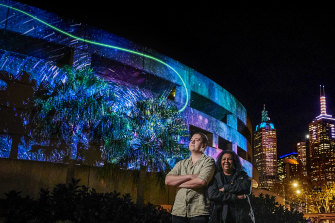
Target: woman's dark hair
(236, 161)
(203, 137)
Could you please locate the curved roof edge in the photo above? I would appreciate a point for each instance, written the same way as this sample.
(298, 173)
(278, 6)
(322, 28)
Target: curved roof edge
(66, 31)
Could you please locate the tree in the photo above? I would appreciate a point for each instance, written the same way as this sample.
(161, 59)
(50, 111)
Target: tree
(322, 200)
(156, 126)
(15, 102)
(73, 203)
(266, 209)
(75, 114)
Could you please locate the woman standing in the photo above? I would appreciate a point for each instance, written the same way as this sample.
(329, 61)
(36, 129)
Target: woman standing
(228, 191)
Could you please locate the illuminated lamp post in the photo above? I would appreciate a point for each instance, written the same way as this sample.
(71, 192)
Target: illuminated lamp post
(298, 192)
(295, 184)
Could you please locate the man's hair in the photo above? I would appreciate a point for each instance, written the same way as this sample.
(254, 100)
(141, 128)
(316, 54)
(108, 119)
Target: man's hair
(204, 138)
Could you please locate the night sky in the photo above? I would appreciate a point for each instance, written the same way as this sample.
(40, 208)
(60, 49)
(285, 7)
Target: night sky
(260, 56)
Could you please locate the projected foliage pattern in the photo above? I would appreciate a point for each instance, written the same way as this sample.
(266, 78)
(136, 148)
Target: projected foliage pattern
(74, 114)
(44, 42)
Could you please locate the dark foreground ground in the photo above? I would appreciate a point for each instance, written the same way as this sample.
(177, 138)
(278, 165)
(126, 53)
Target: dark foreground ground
(72, 203)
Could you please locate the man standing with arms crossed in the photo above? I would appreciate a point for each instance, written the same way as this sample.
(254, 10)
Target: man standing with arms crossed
(192, 176)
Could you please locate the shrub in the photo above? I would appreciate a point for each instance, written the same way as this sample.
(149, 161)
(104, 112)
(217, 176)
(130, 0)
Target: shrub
(266, 210)
(73, 203)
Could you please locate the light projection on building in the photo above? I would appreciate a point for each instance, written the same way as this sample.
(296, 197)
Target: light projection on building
(40, 44)
(104, 45)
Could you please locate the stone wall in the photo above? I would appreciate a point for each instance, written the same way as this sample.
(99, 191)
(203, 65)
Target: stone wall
(30, 176)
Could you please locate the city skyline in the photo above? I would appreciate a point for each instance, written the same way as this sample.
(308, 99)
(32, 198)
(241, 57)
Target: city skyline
(260, 57)
(85, 86)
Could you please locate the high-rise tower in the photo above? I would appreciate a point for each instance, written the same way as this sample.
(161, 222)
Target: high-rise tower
(322, 145)
(265, 152)
(302, 155)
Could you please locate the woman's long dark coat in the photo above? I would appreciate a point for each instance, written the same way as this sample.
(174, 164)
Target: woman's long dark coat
(240, 208)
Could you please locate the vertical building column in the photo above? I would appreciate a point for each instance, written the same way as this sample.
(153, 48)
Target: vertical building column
(234, 147)
(232, 121)
(215, 141)
(182, 94)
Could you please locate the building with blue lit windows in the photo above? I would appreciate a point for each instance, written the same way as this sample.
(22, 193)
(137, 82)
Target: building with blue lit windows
(265, 152)
(288, 166)
(40, 43)
(322, 146)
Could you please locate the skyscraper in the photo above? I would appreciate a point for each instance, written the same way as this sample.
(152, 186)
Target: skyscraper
(302, 155)
(287, 166)
(265, 152)
(322, 145)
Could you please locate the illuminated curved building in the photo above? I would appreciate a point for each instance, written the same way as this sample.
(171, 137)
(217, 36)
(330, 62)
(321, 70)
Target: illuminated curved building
(41, 42)
(322, 146)
(265, 152)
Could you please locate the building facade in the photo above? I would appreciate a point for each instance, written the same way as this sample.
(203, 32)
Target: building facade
(41, 43)
(302, 151)
(265, 152)
(288, 166)
(322, 146)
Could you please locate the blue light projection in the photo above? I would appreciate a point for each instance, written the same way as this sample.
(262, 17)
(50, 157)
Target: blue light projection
(103, 45)
(15, 63)
(45, 72)
(264, 125)
(5, 144)
(3, 85)
(25, 22)
(293, 153)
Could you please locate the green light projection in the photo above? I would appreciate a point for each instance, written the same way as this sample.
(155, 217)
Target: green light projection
(105, 45)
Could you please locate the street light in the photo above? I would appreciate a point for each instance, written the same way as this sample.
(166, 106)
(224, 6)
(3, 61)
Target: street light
(299, 192)
(295, 184)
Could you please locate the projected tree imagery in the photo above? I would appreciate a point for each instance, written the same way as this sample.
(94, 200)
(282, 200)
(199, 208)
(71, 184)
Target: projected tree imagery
(73, 111)
(15, 100)
(100, 111)
(81, 116)
(77, 114)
